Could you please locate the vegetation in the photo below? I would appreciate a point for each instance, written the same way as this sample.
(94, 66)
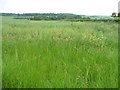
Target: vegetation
(45, 16)
(58, 16)
(59, 54)
(114, 14)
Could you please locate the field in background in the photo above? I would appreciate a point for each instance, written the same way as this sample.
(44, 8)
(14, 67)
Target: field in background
(60, 54)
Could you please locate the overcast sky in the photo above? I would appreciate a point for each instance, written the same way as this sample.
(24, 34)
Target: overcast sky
(84, 7)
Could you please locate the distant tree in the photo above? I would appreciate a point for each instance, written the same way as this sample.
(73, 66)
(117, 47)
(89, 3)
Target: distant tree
(118, 14)
(114, 14)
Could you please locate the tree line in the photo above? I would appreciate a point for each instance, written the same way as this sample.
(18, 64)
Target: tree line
(46, 16)
(60, 16)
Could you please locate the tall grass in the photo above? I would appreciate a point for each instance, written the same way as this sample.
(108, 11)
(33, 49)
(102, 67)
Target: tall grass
(59, 54)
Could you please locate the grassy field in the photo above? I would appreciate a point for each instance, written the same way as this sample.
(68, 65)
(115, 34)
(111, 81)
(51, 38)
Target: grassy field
(59, 54)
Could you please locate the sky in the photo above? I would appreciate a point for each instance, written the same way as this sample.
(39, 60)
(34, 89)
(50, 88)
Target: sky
(80, 7)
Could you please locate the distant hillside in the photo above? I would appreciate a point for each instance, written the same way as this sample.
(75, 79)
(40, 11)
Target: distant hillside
(57, 16)
(46, 16)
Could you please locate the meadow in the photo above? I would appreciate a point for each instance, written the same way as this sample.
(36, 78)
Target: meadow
(59, 54)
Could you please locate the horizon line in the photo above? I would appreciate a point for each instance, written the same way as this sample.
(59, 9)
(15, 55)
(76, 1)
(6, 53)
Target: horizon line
(51, 13)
